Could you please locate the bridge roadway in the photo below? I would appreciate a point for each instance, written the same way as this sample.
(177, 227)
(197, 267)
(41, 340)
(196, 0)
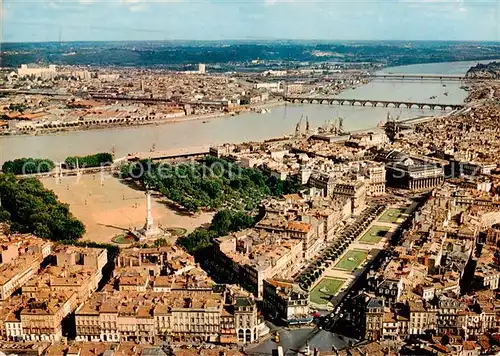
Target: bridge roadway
(373, 103)
(409, 76)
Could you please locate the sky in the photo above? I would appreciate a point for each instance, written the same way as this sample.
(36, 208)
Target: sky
(109, 20)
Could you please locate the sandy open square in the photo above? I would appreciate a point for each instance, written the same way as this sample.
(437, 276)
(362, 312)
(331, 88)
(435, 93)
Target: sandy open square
(107, 206)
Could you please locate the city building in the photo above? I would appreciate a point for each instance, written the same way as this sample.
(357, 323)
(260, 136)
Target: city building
(21, 257)
(216, 316)
(286, 302)
(37, 71)
(410, 173)
(251, 256)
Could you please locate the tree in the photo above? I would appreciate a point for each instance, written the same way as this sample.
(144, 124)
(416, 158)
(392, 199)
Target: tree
(28, 166)
(197, 240)
(96, 160)
(33, 209)
(160, 242)
(221, 222)
(4, 215)
(211, 183)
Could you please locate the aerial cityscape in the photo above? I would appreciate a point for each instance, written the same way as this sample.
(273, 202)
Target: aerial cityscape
(196, 187)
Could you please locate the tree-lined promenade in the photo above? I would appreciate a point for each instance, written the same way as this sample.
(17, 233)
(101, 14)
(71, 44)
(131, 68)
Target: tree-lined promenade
(33, 166)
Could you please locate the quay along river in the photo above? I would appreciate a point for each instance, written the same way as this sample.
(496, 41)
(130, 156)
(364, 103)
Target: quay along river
(250, 126)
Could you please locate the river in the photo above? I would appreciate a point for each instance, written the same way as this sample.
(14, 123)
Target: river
(248, 126)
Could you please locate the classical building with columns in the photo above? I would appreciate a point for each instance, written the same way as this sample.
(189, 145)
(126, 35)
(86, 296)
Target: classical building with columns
(410, 173)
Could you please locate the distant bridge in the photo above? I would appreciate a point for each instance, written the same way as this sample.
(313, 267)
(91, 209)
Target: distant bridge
(373, 103)
(404, 76)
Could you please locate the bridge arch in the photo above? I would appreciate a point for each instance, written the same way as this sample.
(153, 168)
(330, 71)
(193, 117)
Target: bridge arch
(379, 105)
(314, 101)
(401, 105)
(324, 101)
(368, 103)
(335, 102)
(426, 106)
(390, 105)
(295, 101)
(414, 106)
(438, 107)
(448, 107)
(343, 102)
(356, 103)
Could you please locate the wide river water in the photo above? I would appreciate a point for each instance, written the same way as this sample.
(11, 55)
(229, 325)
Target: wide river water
(249, 126)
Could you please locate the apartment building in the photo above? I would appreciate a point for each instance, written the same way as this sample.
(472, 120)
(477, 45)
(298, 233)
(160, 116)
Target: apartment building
(156, 261)
(21, 258)
(251, 256)
(214, 315)
(286, 302)
(294, 223)
(41, 318)
(375, 178)
(52, 294)
(37, 71)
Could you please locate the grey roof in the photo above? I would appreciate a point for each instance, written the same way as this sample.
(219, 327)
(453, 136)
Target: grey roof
(244, 302)
(153, 351)
(375, 303)
(396, 156)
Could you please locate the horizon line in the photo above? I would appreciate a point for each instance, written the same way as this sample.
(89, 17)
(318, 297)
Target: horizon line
(260, 40)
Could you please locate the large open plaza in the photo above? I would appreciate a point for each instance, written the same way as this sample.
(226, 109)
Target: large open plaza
(351, 260)
(374, 235)
(325, 289)
(109, 207)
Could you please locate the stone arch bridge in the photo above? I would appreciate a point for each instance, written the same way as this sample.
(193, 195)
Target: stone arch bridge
(374, 103)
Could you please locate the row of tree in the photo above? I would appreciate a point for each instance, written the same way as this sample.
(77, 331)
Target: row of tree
(211, 183)
(30, 208)
(28, 166)
(42, 165)
(223, 223)
(96, 160)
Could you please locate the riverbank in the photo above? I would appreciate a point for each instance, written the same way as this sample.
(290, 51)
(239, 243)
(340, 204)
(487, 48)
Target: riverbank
(86, 127)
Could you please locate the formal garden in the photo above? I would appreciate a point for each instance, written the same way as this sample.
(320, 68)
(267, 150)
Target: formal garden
(325, 290)
(392, 215)
(351, 260)
(329, 255)
(374, 235)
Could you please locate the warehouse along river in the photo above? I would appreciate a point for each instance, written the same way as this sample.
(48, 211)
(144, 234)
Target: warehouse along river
(247, 126)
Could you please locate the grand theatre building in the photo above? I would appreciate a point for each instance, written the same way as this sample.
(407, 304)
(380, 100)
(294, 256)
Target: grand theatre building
(405, 172)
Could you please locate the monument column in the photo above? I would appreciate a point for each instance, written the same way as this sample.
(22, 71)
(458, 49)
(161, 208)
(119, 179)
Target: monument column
(149, 214)
(150, 229)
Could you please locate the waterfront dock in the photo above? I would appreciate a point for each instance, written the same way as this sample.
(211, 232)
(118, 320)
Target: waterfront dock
(178, 153)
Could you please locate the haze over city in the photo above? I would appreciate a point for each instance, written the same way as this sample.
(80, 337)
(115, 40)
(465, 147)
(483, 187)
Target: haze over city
(101, 20)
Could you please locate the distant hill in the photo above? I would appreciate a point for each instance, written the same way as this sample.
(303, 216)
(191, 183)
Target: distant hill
(242, 55)
(487, 71)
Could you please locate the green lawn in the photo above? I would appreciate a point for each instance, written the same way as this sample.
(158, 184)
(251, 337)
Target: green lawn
(351, 260)
(123, 239)
(177, 231)
(325, 289)
(391, 215)
(374, 235)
